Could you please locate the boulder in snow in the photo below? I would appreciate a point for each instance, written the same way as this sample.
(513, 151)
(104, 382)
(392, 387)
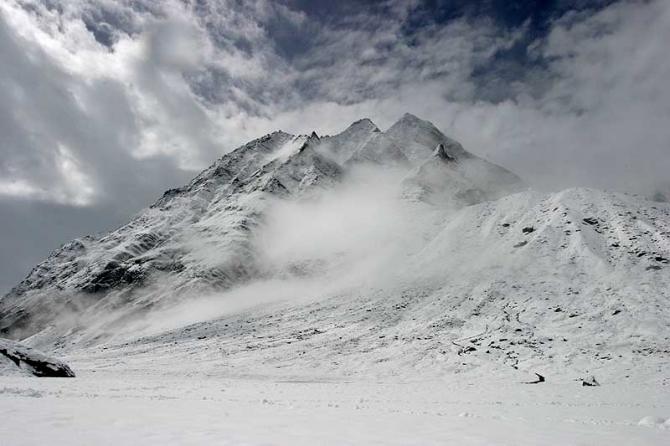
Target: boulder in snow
(540, 379)
(590, 381)
(34, 361)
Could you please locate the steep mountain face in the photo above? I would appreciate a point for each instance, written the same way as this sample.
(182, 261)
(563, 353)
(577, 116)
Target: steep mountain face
(199, 237)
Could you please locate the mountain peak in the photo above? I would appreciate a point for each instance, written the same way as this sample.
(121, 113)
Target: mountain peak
(409, 117)
(364, 123)
(409, 120)
(415, 137)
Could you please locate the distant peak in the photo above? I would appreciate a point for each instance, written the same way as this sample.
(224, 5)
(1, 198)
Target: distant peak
(409, 120)
(410, 117)
(314, 136)
(365, 123)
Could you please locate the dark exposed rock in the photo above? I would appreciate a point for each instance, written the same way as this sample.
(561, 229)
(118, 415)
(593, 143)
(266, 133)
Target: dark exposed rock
(34, 360)
(167, 196)
(441, 153)
(590, 381)
(520, 244)
(464, 350)
(528, 229)
(112, 275)
(590, 221)
(540, 379)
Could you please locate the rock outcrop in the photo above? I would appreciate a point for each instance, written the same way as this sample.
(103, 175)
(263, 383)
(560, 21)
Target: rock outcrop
(33, 361)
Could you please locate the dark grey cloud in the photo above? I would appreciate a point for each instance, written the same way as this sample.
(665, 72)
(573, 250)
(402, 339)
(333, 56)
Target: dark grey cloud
(106, 103)
(69, 141)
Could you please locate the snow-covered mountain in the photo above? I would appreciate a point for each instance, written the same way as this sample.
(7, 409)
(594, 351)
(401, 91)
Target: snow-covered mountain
(198, 237)
(367, 251)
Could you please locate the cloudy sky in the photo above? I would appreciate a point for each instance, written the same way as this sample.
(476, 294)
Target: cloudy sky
(104, 104)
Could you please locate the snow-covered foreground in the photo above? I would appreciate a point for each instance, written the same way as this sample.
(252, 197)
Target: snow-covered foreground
(104, 408)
